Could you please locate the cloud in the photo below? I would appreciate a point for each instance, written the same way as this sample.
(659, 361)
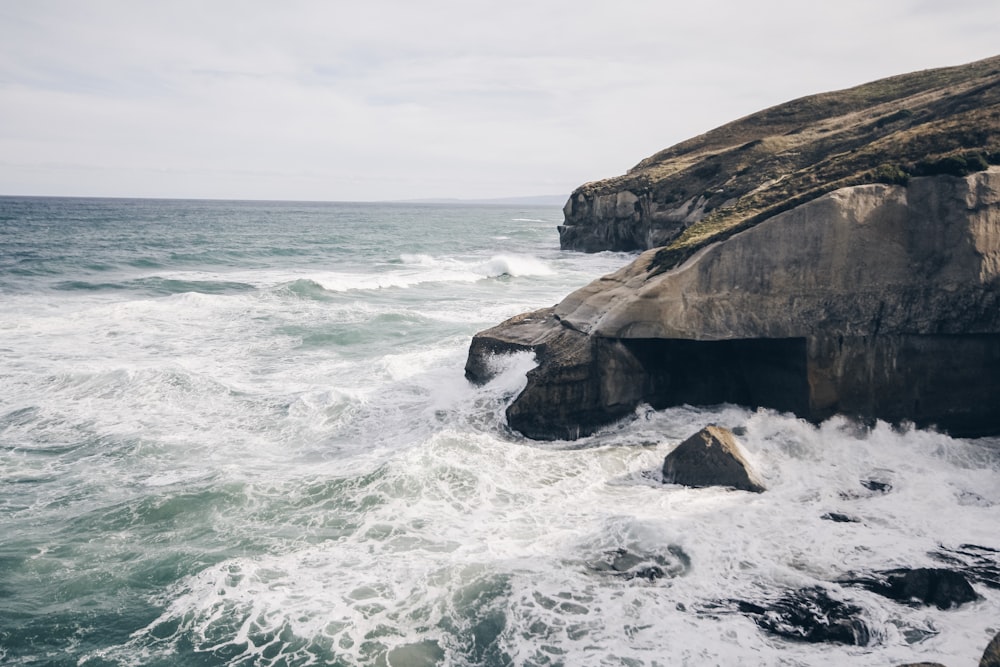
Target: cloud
(390, 99)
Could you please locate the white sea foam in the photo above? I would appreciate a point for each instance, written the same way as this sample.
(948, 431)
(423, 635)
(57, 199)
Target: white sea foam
(424, 269)
(300, 472)
(509, 265)
(464, 524)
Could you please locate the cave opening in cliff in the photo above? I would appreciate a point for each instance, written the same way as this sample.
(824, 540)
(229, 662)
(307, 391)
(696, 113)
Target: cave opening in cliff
(757, 372)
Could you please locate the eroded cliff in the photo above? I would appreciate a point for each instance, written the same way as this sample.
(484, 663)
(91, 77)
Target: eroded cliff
(878, 301)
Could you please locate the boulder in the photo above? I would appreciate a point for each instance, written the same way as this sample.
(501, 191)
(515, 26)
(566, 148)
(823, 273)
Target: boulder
(991, 656)
(928, 586)
(710, 457)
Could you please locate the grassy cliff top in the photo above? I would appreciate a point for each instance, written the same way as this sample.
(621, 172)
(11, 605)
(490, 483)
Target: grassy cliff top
(936, 121)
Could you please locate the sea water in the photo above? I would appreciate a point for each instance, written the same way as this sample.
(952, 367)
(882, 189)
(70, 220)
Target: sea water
(239, 433)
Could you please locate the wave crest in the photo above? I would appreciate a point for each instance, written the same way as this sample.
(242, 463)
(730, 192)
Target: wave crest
(514, 266)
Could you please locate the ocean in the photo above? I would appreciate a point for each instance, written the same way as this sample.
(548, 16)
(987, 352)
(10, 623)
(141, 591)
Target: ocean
(239, 433)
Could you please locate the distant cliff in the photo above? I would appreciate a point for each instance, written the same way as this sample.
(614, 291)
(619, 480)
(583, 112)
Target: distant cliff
(858, 274)
(924, 123)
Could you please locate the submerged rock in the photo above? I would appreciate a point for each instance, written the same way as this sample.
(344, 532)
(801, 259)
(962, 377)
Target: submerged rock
(649, 566)
(876, 485)
(928, 586)
(711, 457)
(811, 615)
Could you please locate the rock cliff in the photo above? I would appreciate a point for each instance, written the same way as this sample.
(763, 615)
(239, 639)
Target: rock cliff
(876, 300)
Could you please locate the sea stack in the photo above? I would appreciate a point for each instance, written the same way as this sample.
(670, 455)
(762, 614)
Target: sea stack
(839, 254)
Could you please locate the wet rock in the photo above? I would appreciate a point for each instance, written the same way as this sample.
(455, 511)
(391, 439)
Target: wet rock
(980, 564)
(991, 656)
(594, 383)
(711, 457)
(632, 565)
(876, 485)
(928, 586)
(810, 615)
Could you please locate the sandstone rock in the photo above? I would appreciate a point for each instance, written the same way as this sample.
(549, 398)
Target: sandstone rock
(860, 262)
(991, 656)
(711, 457)
(878, 302)
(580, 384)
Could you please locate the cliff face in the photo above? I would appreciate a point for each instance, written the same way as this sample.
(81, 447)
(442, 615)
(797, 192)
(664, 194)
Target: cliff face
(865, 260)
(836, 254)
(879, 301)
(749, 170)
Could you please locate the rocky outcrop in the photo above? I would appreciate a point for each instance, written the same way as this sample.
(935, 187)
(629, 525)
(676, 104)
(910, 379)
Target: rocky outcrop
(711, 457)
(916, 124)
(582, 383)
(876, 301)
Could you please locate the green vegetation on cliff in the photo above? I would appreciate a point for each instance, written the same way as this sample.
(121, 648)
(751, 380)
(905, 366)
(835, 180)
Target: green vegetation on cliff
(942, 121)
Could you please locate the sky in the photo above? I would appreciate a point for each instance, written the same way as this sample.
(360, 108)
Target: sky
(382, 100)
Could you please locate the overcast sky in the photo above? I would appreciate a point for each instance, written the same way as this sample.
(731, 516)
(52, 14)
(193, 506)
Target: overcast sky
(378, 99)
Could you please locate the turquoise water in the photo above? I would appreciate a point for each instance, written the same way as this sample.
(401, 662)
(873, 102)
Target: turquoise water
(238, 433)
